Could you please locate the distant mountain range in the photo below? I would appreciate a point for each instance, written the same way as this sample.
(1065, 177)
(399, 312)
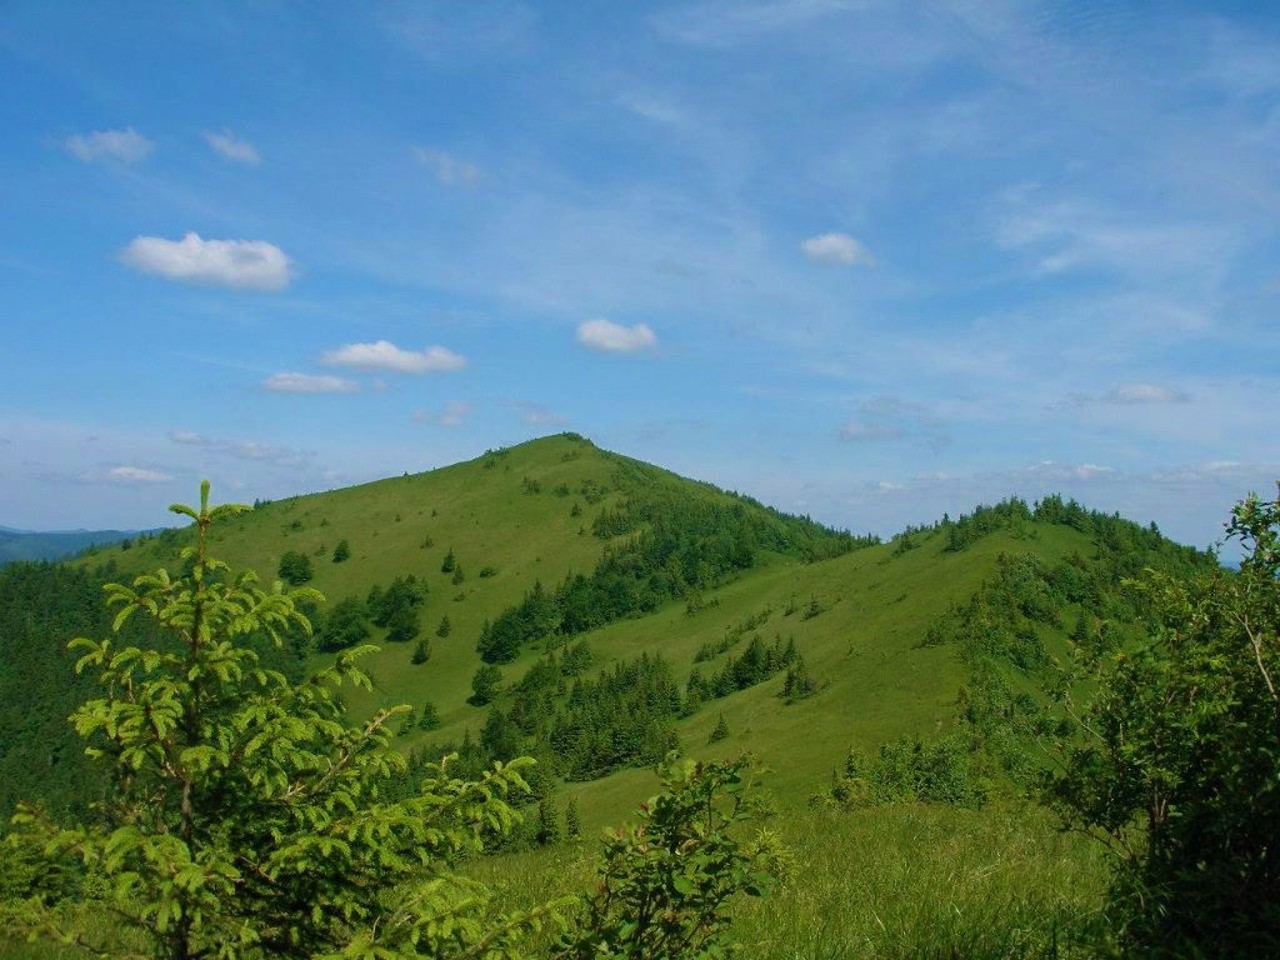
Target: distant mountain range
(31, 545)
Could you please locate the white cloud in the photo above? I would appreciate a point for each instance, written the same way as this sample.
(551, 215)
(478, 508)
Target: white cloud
(384, 355)
(308, 383)
(123, 146)
(538, 415)
(453, 415)
(608, 337)
(837, 250)
(1052, 471)
(238, 264)
(266, 453)
(449, 169)
(858, 430)
(1132, 393)
(128, 475)
(188, 438)
(231, 147)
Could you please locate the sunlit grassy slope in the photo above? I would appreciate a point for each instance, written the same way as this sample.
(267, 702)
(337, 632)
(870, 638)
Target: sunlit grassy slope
(511, 511)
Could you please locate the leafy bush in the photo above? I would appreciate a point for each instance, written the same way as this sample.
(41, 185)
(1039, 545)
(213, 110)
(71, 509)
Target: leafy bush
(1176, 760)
(665, 884)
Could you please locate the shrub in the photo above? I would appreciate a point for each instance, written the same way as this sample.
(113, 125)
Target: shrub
(1176, 763)
(295, 568)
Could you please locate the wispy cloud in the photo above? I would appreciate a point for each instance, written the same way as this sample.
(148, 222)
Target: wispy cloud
(893, 419)
(122, 146)
(448, 168)
(1066, 235)
(126, 475)
(447, 31)
(837, 250)
(230, 147)
(309, 383)
(537, 415)
(605, 336)
(236, 264)
(384, 355)
(251, 450)
(454, 414)
(1131, 393)
(1125, 395)
(724, 23)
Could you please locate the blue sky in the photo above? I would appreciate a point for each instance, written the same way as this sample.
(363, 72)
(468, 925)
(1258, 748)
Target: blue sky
(868, 261)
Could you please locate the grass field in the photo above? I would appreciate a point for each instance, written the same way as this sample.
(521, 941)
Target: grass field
(510, 510)
(911, 881)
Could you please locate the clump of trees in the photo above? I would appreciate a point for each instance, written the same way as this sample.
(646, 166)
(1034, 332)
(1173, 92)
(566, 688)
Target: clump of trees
(945, 770)
(678, 546)
(295, 568)
(247, 817)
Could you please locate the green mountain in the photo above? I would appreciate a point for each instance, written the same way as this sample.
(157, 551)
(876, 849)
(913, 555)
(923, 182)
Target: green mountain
(623, 609)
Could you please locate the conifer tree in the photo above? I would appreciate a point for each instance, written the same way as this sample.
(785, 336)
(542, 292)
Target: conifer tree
(421, 652)
(572, 820)
(245, 820)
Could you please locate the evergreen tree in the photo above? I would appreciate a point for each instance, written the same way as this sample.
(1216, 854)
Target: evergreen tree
(342, 551)
(421, 652)
(572, 820)
(429, 718)
(721, 732)
(346, 626)
(445, 628)
(548, 823)
(485, 685)
(449, 562)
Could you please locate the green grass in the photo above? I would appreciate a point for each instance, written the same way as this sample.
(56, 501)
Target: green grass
(877, 682)
(912, 881)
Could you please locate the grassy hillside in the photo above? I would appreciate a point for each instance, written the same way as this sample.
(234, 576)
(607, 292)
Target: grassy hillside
(547, 510)
(944, 635)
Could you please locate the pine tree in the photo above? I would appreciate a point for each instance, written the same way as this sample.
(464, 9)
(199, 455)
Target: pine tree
(421, 652)
(445, 628)
(548, 823)
(429, 718)
(721, 732)
(572, 820)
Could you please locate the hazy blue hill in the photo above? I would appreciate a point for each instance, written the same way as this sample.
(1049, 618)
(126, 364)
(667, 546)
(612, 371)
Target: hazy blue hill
(29, 545)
